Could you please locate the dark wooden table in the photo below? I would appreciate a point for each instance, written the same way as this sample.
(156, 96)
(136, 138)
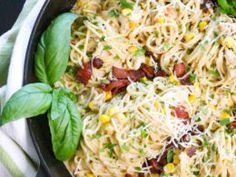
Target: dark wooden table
(9, 11)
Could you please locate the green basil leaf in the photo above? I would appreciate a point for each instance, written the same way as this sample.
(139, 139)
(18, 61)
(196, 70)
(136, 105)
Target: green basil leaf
(31, 100)
(66, 128)
(54, 49)
(59, 101)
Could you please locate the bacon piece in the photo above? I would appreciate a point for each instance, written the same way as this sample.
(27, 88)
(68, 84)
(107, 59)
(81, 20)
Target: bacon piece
(141, 175)
(190, 151)
(180, 69)
(97, 63)
(85, 73)
(128, 175)
(115, 86)
(155, 167)
(161, 73)
(181, 113)
(120, 73)
(186, 81)
(148, 71)
(233, 124)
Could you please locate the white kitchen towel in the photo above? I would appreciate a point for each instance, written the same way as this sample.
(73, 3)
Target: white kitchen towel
(17, 154)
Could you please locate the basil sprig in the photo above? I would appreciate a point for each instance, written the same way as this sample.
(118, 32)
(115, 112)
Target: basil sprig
(64, 118)
(38, 98)
(65, 124)
(53, 49)
(228, 6)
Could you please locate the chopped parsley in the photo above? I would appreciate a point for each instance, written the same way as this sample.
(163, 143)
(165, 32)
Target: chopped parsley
(214, 72)
(224, 122)
(125, 147)
(125, 4)
(170, 155)
(107, 47)
(144, 133)
(113, 13)
(110, 148)
(103, 38)
(81, 46)
(192, 77)
(140, 52)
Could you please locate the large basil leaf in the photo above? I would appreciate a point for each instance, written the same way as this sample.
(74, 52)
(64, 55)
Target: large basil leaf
(31, 100)
(65, 125)
(54, 49)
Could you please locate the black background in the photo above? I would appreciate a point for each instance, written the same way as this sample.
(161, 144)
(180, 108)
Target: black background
(9, 11)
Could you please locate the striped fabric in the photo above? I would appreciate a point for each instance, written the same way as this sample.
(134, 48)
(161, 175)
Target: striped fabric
(17, 154)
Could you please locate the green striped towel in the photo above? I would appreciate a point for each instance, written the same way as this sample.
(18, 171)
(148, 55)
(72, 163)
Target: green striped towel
(17, 154)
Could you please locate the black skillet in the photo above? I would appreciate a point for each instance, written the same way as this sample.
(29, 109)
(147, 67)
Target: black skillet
(39, 127)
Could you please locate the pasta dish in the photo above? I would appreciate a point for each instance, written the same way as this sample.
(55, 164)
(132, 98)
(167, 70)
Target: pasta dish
(155, 82)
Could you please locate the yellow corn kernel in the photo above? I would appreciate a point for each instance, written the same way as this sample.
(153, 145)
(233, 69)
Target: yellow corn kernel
(112, 111)
(127, 12)
(148, 61)
(132, 24)
(176, 159)
(161, 20)
(188, 37)
(192, 98)
(177, 151)
(173, 80)
(108, 96)
(202, 26)
(169, 168)
(156, 104)
(143, 79)
(104, 119)
(132, 49)
(90, 175)
(92, 106)
(224, 115)
(164, 110)
(229, 42)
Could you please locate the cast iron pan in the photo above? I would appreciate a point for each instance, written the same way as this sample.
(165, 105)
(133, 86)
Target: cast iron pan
(39, 126)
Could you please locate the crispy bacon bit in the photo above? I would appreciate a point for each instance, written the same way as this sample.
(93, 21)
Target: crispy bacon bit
(85, 73)
(186, 81)
(180, 69)
(190, 151)
(73, 41)
(115, 86)
(97, 63)
(181, 113)
(161, 73)
(155, 167)
(134, 75)
(233, 124)
(141, 175)
(148, 70)
(128, 175)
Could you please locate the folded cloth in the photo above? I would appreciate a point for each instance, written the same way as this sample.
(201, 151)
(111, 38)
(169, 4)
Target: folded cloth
(17, 154)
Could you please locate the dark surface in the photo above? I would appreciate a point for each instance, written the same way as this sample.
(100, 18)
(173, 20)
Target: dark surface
(9, 11)
(39, 126)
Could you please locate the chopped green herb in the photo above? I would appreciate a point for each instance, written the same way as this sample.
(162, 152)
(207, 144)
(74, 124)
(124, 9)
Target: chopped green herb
(105, 81)
(144, 133)
(107, 47)
(140, 52)
(196, 173)
(113, 13)
(81, 46)
(110, 147)
(170, 155)
(197, 119)
(125, 147)
(103, 38)
(214, 73)
(125, 4)
(141, 151)
(205, 143)
(189, 51)
(157, 33)
(192, 77)
(204, 111)
(98, 136)
(137, 168)
(224, 122)
(71, 70)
